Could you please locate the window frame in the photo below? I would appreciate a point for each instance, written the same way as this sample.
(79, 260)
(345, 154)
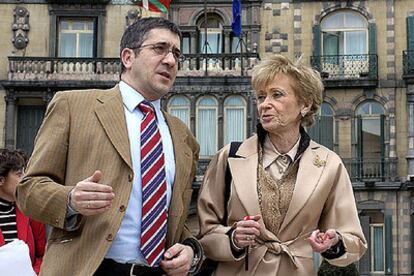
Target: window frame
(197, 121)
(188, 107)
(71, 21)
(225, 108)
(96, 12)
(372, 244)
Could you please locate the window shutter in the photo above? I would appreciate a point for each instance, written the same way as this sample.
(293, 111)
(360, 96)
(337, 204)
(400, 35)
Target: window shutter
(410, 43)
(326, 131)
(364, 266)
(410, 33)
(317, 47)
(388, 244)
(372, 49)
(29, 119)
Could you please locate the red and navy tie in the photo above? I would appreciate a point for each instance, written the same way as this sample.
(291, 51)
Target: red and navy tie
(154, 188)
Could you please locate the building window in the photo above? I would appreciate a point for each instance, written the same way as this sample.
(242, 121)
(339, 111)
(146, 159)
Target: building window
(206, 125)
(344, 33)
(234, 119)
(370, 141)
(345, 45)
(76, 37)
(323, 131)
(179, 106)
(214, 27)
(377, 247)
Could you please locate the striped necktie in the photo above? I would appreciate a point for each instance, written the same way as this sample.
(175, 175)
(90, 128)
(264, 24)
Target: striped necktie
(154, 188)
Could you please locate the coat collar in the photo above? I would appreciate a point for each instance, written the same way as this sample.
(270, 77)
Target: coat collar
(244, 173)
(111, 115)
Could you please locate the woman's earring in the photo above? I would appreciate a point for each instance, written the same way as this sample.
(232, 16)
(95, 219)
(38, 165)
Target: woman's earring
(303, 113)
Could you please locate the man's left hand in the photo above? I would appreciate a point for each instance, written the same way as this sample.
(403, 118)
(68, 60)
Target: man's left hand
(177, 259)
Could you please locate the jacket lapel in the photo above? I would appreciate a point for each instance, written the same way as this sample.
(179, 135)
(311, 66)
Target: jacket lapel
(112, 118)
(244, 174)
(313, 163)
(182, 155)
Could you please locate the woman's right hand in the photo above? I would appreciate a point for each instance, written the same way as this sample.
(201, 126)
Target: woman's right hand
(246, 231)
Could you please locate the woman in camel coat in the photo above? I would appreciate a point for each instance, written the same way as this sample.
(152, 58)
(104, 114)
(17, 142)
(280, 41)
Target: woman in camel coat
(289, 196)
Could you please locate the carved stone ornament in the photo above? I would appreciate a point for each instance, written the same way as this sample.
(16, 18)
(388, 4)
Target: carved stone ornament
(132, 16)
(20, 27)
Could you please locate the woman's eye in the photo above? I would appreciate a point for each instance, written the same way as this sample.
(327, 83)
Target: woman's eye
(261, 98)
(276, 94)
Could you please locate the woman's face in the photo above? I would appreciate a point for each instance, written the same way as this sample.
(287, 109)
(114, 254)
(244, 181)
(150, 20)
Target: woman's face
(8, 185)
(278, 106)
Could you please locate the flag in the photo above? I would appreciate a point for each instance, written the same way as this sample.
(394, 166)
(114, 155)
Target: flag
(154, 5)
(236, 25)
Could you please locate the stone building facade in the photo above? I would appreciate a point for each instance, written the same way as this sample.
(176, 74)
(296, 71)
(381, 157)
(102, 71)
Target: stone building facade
(364, 51)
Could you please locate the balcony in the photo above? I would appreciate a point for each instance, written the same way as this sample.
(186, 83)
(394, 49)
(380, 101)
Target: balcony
(408, 66)
(101, 70)
(347, 70)
(371, 171)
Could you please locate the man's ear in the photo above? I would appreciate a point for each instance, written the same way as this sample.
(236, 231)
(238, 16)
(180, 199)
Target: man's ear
(127, 56)
(2, 180)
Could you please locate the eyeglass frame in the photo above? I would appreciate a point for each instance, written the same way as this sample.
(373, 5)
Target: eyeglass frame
(171, 50)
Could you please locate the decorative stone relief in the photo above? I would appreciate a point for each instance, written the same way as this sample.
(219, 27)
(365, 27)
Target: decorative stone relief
(20, 27)
(132, 16)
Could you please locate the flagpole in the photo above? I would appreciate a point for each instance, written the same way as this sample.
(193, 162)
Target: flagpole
(205, 37)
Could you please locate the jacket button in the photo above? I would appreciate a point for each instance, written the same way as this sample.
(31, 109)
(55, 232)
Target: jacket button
(130, 177)
(57, 221)
(109, 237)
(122, 208)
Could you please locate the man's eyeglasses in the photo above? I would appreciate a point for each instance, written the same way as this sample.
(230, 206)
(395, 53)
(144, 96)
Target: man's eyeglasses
(163, 49)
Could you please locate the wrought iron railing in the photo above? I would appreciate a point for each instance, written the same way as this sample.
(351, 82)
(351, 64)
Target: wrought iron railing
(108, 69)
(339, 67)
(370, 170)
(408, 62)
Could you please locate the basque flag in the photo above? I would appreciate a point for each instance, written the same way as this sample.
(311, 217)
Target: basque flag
(154, 5)
(236, 25)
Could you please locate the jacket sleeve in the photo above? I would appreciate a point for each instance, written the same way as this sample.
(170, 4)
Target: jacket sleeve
(211, 209)
(39, 235)
(340, 213)
(42, 194)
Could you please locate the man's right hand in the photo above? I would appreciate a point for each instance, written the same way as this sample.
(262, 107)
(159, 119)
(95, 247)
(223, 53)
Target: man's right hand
(89, 197)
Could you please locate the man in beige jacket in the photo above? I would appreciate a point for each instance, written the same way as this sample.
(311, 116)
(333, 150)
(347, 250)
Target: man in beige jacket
(84, 177)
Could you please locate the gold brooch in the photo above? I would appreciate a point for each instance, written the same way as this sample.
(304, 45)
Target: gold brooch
(318, 162)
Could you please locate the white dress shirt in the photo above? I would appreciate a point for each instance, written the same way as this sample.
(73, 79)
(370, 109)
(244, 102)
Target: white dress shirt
(126, 245)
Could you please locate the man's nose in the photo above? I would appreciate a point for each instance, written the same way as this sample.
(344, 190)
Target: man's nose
(170, 59)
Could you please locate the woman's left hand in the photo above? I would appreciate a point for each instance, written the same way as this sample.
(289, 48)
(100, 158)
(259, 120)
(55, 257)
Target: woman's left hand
(322, 241)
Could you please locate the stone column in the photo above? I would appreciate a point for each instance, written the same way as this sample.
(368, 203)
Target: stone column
(193, 49)
(10, 99)
(410, 125)
(227, 49)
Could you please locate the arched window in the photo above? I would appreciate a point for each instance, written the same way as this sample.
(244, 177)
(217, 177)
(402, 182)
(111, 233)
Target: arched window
(345, 45)
(179, 106)
(323, 131)
(234, 119)
(206, 125)
(214, 42)
(344, 33)
(370, 140)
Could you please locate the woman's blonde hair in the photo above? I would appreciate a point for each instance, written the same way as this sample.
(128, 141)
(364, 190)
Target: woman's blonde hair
(307, 84)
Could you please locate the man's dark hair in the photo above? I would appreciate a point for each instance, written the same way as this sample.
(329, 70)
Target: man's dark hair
(11, 160)
(137, 33)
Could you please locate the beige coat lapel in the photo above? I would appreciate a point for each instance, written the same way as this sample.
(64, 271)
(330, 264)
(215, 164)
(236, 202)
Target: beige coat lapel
(312, 163)
(244, 174)
(182, 154)
(111, 115)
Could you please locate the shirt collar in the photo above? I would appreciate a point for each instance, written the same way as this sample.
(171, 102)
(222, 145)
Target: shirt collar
(132, 98)
(270, 153)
